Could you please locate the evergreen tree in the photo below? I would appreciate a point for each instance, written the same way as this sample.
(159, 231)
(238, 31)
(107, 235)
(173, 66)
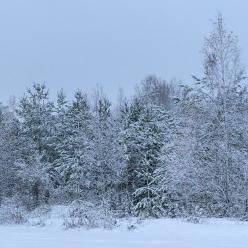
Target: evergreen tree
(36, 114)
(72, 162)
(9, 154)
(144, 138)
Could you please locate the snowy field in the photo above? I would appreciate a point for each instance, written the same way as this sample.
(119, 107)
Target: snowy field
(150, 234)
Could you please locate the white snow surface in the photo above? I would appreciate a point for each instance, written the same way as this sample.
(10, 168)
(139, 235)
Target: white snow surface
(162, 233)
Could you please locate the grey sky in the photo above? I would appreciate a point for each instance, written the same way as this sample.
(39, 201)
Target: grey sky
(74, 44)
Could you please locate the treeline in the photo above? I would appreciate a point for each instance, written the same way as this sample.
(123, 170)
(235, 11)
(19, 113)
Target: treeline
(170, 150)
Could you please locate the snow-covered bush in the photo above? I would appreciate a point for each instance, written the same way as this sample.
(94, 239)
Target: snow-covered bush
(197, 215)
(12, 213)
(88, 215)
(39, 215)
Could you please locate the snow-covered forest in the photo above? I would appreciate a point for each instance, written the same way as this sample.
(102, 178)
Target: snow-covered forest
(173, 149)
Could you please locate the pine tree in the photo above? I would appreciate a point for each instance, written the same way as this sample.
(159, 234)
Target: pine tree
(9, 154)
(73, 157)
(143, 139)
(36, 114)
(58, 139)
(104, 149)
(36, 117)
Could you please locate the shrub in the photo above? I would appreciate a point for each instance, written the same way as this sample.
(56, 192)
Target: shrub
(39, 215)
(12, 213)
(88, 215)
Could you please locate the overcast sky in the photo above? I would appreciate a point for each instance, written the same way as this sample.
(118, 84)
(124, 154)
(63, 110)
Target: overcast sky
(74, 44)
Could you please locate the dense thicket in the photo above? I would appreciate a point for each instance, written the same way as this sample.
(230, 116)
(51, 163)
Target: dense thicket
(170, 150)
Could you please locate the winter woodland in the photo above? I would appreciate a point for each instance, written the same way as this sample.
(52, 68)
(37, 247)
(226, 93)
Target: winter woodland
(173, 149)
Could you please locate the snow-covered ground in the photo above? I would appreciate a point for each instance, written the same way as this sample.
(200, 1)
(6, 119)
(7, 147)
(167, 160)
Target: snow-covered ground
(163, 233)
